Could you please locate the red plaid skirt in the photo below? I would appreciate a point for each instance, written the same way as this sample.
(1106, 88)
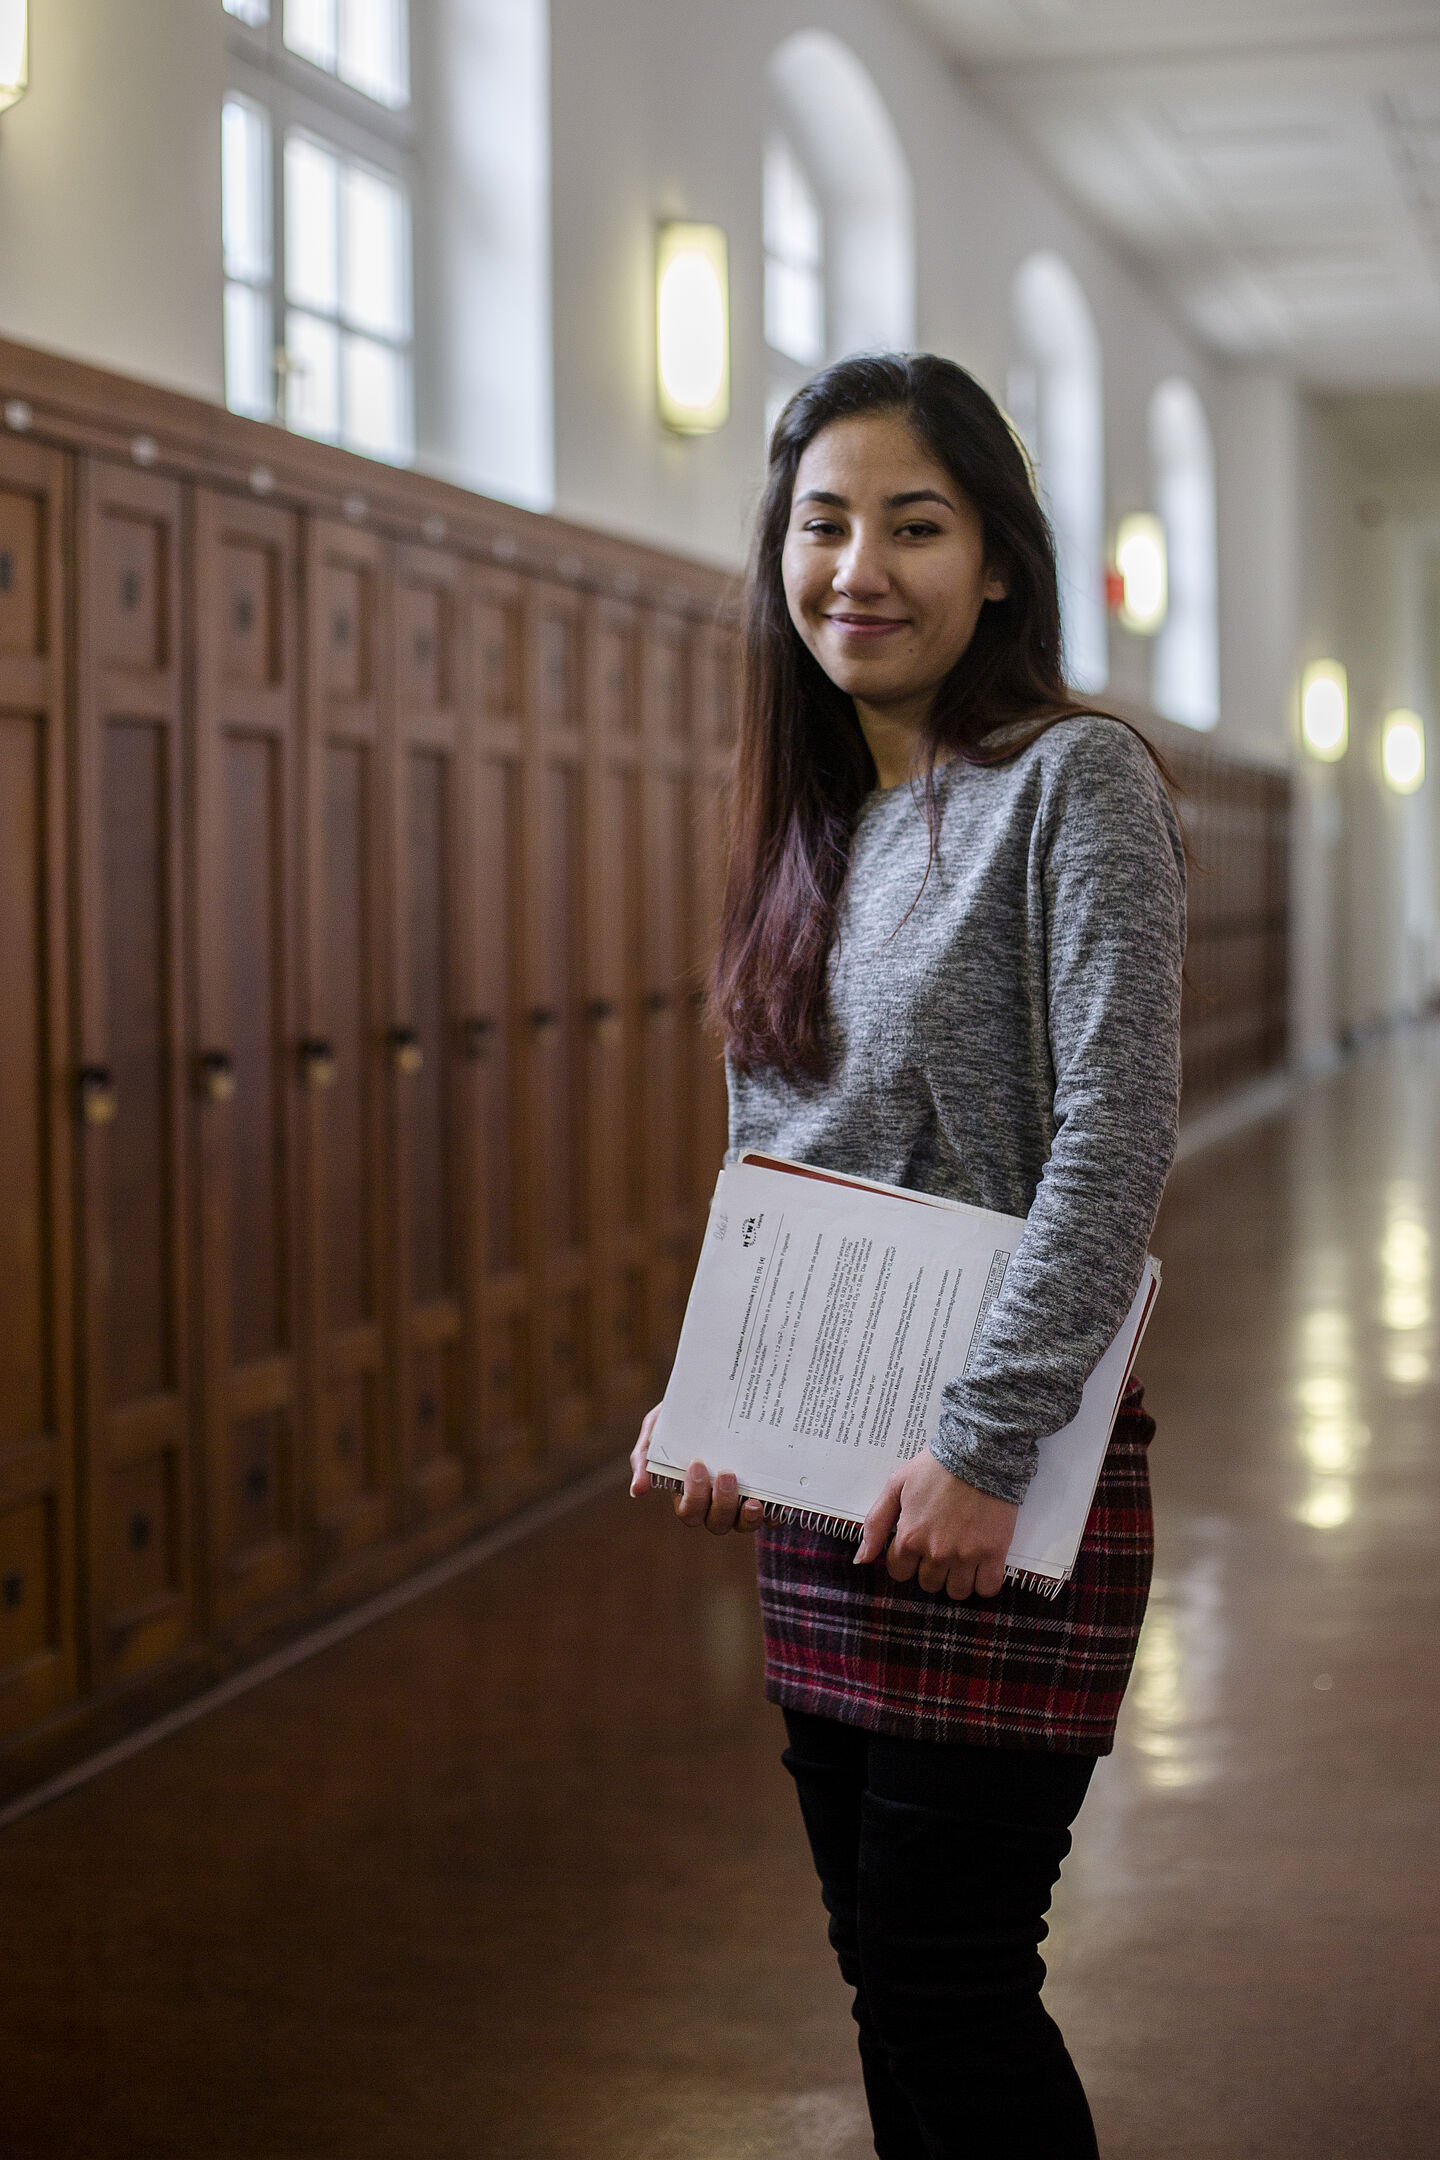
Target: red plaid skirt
(1019, 1670)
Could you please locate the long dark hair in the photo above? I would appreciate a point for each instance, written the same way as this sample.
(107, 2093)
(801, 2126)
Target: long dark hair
(804, 767)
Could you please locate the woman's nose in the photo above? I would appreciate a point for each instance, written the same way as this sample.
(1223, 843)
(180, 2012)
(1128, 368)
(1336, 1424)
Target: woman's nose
(860, 571)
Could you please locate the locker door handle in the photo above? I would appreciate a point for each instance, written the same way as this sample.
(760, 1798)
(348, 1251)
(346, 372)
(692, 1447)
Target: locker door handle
(99, 1104)
(477, 1033)
(604, 1018)
(657, 1002)
(406, 1054)
(544, 1019)
(318, 1064)
(217, 1076)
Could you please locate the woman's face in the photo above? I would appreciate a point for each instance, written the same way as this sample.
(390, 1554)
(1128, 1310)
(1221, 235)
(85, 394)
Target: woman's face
(884, 565)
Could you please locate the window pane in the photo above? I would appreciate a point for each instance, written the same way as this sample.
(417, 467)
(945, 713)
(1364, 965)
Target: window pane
(250, 11)
(249, 371)
(312, 379)
(310, 31)
(374, 49)
(377, 399)
(375, 254)
(794, 312)
(312, 225)
(245, 190)
(792, 211)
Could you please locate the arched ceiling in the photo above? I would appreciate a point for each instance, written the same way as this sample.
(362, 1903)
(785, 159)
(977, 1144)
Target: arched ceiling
(1274, 163)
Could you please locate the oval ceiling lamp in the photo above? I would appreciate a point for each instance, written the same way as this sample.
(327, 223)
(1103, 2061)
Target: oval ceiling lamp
(1325, 710)
(1402, 750)
(692, 328)
(14, 51)
(1144, 573)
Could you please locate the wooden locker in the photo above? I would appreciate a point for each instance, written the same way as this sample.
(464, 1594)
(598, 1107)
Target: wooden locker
(38, 1618)
(496, 1031)
(430, 967)
(134, 1366)
(614, 1031)
(553, 1091)
(665, 955)
(717, 721)
(245, 1079)
(347, 1209)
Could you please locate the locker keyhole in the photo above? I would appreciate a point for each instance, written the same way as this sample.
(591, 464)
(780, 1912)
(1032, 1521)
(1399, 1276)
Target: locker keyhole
(429, 1409)
(130, 590)
(244, 614)
(340, 627)
(7, 573)
(139, 1532)
(13, 1591)
(257, 1482)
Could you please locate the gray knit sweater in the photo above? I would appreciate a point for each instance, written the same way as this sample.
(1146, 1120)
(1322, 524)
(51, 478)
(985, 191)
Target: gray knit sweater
(1010, 1035)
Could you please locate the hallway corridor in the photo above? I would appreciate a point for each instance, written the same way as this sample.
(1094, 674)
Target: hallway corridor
(515, 1875)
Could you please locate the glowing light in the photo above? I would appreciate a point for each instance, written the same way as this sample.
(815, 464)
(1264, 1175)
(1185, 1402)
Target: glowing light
(1325, 709)
(1404, 1272)
(1141, 561)
(1402, 750)
(14, 51)
(1329, 1503)
(1405, 1367)
(692, 323)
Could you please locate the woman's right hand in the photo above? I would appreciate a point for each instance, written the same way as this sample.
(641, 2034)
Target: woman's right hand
(712, 1504)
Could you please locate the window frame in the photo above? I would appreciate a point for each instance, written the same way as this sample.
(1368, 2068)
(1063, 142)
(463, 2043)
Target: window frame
(784, 373)
(298, 97)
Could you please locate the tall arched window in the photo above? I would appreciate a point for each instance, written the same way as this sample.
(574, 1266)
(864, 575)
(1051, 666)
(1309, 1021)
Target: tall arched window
(839, 215)
(1056, 400)
(1186, 669)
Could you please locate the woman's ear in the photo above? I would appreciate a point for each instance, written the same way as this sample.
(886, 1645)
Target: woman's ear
(997, 586)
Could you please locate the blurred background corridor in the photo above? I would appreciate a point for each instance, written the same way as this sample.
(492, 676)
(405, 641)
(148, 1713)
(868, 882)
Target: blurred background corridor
(384, 391)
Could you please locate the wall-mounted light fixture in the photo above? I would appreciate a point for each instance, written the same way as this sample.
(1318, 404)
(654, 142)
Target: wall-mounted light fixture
(1402, 750)
(1144, 574)
(692, 328)
(14, 50)
(1325, 710)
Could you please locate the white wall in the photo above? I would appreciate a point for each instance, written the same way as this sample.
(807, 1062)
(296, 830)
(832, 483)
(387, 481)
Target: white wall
(110, 189)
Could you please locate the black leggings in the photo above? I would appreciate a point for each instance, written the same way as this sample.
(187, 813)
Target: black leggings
(936, 1863)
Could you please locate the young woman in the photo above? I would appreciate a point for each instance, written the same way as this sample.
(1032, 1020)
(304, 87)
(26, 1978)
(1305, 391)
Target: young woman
(950, 959)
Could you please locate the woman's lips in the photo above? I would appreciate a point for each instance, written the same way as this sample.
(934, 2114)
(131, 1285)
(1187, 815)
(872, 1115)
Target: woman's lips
(866, 626)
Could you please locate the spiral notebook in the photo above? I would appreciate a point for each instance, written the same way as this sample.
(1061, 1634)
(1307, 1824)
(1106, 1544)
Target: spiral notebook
(826, 1316)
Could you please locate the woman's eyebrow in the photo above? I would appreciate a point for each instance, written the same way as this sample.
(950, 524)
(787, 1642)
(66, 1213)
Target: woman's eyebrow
(892, 502)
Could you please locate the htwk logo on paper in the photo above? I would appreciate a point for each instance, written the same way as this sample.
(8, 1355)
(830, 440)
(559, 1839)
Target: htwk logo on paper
(751, 1225)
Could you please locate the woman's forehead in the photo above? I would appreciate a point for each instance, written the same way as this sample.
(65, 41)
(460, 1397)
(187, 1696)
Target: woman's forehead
(870, 452)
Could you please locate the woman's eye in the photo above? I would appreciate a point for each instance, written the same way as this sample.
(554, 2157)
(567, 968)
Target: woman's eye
(823, 526)
(920, 529)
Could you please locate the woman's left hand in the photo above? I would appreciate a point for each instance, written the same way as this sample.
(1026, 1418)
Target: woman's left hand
(954, 1537)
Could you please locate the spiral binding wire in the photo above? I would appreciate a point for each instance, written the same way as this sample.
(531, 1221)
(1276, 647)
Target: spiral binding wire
(841, 1526)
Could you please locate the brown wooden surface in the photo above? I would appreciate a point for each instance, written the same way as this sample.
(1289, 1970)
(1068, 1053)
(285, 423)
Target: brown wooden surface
(364, 845)
(39, 1619)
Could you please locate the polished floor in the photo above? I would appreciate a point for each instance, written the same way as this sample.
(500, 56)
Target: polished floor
(514, 1874)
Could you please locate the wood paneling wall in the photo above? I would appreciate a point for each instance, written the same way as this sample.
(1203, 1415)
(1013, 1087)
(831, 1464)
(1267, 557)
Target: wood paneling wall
(363, 841)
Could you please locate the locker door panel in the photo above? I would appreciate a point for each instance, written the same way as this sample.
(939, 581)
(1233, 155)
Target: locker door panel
(668, 910)
(496, 1030)
(245, 1079)
(347, 1197)
(38, 1632)
(555, 1065)
(136, 1345)
(614, 1036)
(434, 1153)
